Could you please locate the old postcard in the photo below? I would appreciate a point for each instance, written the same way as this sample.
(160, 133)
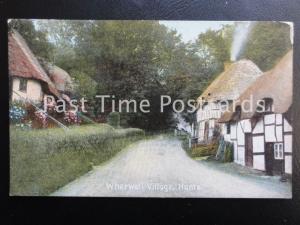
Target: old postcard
(134, 108)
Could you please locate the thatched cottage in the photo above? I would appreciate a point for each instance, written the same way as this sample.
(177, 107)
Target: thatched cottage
(60, 78)
(29, 80)
(226, 88)
(262, 139)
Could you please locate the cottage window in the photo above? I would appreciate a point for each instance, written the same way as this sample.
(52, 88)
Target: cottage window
(224, 105)
(269, 104)
(228, 128)
(278, 150)
(265, 105)
(23, 85)
(204, 105)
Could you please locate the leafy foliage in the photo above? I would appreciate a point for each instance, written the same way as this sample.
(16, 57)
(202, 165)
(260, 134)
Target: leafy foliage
(228, 154)
(37, 40)
(204, 150)
(144, 59)
(85, 86)
(267, 43)
(216, 45)
(114, 119)
(16, 114)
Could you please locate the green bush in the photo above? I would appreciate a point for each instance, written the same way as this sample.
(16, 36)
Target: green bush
(129, 132)
(41, 161)
(204, 150)
(114, 119)
(228, 154)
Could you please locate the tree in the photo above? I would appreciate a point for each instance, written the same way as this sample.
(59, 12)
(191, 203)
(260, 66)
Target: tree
(267, 43)
(85, 86)
(62, 34)
(36, 40)
(137, 60)
(216, 44)
(129, 60)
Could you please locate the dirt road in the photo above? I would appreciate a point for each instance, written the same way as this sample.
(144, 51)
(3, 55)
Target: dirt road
(159, 167)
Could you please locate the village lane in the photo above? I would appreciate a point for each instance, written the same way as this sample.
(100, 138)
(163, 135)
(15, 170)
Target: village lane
(159, 167)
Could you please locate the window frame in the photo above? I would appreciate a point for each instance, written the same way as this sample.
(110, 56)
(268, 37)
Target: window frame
(278, 151)
(268, 105)
(23, 85)
(228, 128)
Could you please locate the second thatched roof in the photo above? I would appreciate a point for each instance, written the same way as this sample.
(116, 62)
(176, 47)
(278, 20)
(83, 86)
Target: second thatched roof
(276, 84)
(61, 79)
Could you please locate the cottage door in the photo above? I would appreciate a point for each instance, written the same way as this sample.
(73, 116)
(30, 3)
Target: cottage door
(248, 150)
(206, 131)
(274, 159)
(269, 158)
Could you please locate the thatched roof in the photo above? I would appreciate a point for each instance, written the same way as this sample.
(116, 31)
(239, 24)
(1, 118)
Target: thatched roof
(232, 82)
(59, 77)
(275, 84)
(23, 63)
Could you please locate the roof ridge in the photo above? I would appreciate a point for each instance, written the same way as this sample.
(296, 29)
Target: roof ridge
(20, 48)
(235, 71)
(27, 51)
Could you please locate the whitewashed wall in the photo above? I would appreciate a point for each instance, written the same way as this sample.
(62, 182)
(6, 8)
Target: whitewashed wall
(258, 143)
(34, 91)
(269, 123)
(241, 144)
(288, 144)
(240, 134)
(208, 113)
(238, 131)
(233, 131)
(201, 126)
(235, 152)
(259, 162)
(224, 132)
(259, 127)
(271, 128)
(287, 126)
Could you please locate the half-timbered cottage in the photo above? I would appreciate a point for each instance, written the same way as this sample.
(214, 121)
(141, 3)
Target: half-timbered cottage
(226, 88)
(260, 124)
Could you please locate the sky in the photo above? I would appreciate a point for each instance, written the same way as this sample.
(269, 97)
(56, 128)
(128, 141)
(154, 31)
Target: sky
(190, 30)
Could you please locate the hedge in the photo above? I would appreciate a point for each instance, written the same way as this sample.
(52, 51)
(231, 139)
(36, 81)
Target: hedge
(228, 154)
(41, 161)
(114, 119)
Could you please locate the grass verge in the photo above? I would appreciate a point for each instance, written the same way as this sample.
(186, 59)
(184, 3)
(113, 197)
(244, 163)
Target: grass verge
(41, 161)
